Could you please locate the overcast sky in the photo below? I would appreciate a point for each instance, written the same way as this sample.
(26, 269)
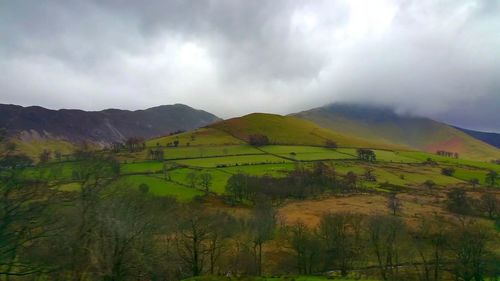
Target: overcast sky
(426, 57)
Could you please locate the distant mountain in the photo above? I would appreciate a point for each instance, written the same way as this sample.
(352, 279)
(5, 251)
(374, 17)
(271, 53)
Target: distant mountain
(111, 125)
(385, 125)
(487, 137)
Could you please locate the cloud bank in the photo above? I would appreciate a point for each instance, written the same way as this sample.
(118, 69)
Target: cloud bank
(230, 57)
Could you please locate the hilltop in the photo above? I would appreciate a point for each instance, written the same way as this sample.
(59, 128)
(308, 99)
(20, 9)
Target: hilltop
(385, 125)
(280, 130)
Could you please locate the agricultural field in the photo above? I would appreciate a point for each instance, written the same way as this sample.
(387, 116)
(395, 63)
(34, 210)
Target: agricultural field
(397, 168)
(231, 161)
(159, 187)
(200, 137)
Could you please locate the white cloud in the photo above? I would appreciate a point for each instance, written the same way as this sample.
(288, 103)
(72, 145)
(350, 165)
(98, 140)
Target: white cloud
(234, 57)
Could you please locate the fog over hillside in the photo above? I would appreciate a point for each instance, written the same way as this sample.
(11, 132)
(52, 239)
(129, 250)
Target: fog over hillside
(434, 58)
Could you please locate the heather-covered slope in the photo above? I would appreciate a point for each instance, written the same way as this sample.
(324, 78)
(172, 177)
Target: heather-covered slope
(384, 125)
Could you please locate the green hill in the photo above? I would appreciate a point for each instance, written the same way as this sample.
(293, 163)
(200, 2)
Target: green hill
(384, 125)
(289, 130)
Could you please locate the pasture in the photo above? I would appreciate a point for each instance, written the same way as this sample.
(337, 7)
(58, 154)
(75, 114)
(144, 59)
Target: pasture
(399, 168)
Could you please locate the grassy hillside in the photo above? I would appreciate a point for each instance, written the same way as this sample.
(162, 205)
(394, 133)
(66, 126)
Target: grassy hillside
(291, 130)
(384, 125)
(200, 137)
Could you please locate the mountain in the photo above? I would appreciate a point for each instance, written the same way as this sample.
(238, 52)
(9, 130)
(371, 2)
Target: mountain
(103, 127)
(385, 125)
(487, 137)
(290, 130)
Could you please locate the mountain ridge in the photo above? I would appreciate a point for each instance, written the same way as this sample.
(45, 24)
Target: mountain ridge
(105, 126)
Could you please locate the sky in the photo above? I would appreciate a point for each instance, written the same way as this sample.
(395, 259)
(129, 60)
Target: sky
(435, 58)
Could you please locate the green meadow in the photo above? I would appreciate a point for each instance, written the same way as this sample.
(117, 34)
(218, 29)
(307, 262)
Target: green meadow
(400, 168)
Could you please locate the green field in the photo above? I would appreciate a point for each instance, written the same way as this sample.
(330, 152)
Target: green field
(219, 178)
(231, 161)
(200, 137)
(209, 151)
(307, 153)
(141, 167)
(423, 156)
(402, 168)
(158, 186)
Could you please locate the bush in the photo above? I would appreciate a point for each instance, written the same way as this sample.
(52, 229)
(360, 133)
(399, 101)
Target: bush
(447, 171)
(258, 140)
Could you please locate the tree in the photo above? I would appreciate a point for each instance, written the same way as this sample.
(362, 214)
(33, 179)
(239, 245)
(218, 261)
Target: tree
(384, 238)
(194, 231)
(489, 204)
(330, 144)
(338, 233)
(124, 234)
(458, 202)
(236, 186)
(474, 182)
(366, 155)
(430, 240)
(469, 250)
(258, 140)
(306, 247)
(166, 173)
(94, 172)
(491, 178)
(429, 184)
(351, 181)
(135, 144)
(24, 223)
(447, 171)
(44, 156)
(263, 223)
(369, 175)
(206, 181)
(192, 178)
(393, 203)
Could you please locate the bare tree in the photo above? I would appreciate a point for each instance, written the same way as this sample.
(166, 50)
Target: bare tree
(192, 179)
(263, 224)
(489, 204)
(306, 246)
(394, 203)
(384, 237)
(338, 233)
(206, 181)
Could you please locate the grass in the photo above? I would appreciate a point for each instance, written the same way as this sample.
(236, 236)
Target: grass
(423, 156)
(159, 187)
(393, 156)
(209, 151)
(60, 171)
(231, 161)
(219, 178)
(275, 170)
(200, 137)
(33, 147)
(467, 174)
(306, 153)
(141, 167)
(289, 130)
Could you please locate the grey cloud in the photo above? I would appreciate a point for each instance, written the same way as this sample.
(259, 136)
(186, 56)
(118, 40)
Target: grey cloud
(436, 58)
